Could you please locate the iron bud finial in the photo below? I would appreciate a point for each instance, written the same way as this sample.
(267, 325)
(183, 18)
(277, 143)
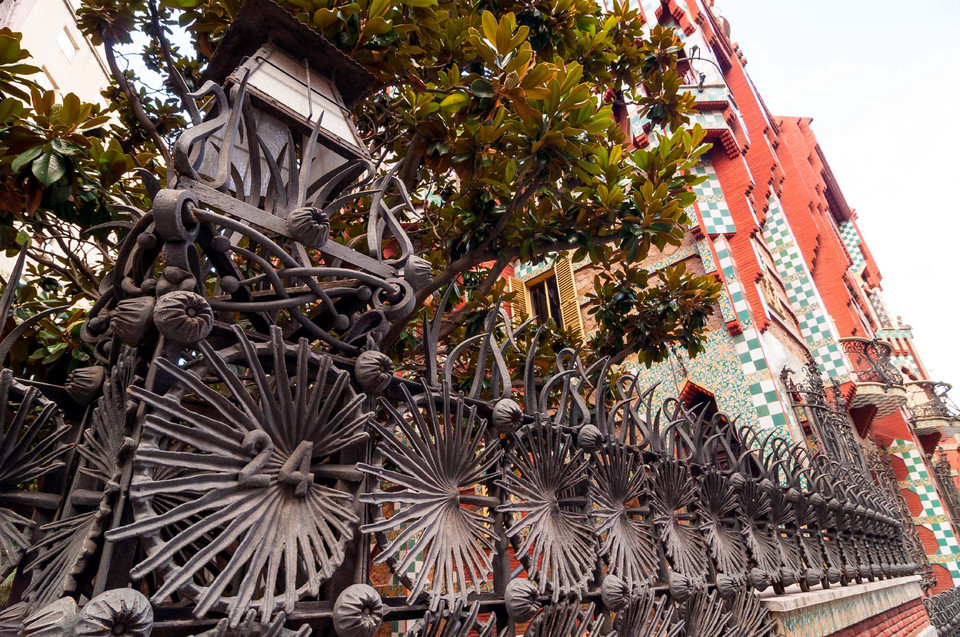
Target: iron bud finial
(374, 371)
(522, 599)
(507, 416)
(357, 612)
(310, 226)
(183, 317)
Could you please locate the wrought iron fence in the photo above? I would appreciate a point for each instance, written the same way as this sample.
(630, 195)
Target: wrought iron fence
(944, 612)
(242, 459)
(946, 484)
(825, 410)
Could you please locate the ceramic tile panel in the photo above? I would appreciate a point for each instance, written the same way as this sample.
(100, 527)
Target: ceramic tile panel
(710, 199)
(933, 516)
(851, 239)
(803, 297)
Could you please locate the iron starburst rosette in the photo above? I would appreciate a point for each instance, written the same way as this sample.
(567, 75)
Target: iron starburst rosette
(552, 534)
(30, 433)
(438, 462)
(617, 489)
(724, 540)
(228, 493)
(673, 498)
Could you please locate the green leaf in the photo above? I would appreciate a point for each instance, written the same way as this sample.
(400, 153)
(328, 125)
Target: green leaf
(181, 4)
(376, 26)
(482, 88)
(10, 107)
(49, 167)
(379, 8)
(25, 158)
(454, 102)
(10, 50)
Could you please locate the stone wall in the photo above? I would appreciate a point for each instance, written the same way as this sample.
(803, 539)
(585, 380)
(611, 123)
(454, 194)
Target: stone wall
(886, 607)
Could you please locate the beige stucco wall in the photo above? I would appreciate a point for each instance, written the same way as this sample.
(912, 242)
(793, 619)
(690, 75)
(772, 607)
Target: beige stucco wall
(44, 24)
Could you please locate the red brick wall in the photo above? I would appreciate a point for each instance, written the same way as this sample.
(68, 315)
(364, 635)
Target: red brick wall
(907, 620)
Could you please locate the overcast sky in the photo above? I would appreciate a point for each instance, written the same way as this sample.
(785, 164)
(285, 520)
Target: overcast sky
(883, 88)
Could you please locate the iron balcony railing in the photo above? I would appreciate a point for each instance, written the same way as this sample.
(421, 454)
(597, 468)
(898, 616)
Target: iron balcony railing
(932, 402)
(870, 360)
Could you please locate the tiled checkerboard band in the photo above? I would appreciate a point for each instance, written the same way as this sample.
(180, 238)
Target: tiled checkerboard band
(933, 515)
(804, 301)
(710, 200)
(851, 239)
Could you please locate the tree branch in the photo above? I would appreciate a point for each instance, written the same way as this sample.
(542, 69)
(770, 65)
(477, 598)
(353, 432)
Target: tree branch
(134, 100)
(456, 318)
(179, 85)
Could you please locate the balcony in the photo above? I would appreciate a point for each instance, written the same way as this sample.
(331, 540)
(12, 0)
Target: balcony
(931, 410)
(878, 384)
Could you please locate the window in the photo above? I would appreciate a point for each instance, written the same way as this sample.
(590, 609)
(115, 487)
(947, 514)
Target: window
(702, 404)
(550, 295)
(67, 44)
(46, 80)
(545, 300)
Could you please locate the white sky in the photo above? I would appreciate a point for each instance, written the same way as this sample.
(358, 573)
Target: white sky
(883, 88)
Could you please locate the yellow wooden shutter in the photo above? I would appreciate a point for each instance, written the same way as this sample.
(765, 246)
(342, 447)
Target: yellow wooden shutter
(519, 308)
(569, 299)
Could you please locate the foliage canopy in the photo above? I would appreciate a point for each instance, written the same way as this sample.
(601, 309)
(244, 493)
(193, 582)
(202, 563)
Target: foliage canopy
(507, 122)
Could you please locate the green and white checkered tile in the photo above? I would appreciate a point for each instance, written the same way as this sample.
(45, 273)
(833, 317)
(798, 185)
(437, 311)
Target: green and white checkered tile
(814, 322)
(763, 390)
(738, 299)
(711, 202)
(527, 270)
(851, 239)
(726, 308)
(905, 361)
(725, 259)
(750, 352)
(932, 508)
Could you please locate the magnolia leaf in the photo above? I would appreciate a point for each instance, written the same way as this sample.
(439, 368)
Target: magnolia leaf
(49, 167)
(454, 102)
(482, 88)
(25, 157)
(10, 50)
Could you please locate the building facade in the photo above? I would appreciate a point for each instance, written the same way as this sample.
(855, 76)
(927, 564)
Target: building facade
(801, 292)
(69, 62)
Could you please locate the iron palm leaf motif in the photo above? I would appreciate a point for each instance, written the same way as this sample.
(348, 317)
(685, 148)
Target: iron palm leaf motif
(566, 619)
(718, 514)
(783, 518)
(61, 554)
(617, 488)
(239, 461)
(748, 617)
(438, 462)
(648, 615)
(30, 432)
(551, 532)
(754, 519)
(673, 498)
(454, 621)
(704, 615)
